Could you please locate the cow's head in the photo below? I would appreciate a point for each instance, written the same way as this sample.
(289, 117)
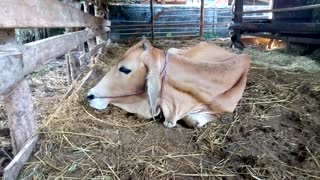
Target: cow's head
(133, 83)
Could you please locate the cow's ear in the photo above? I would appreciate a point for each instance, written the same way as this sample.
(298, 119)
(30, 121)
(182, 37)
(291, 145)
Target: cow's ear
(152, 85)
(146, 44)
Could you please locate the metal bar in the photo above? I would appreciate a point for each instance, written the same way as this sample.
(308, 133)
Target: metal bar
(149, 22)
(183, 15)
(201, 18)
(176, 22)
(144, 29)
(161, 37)
(152, 19)
(298, 8)
(191, 29)
(178, 37)
(160, 28)
(169, 25)
(157, 32)
(125, 21)
(192, 15)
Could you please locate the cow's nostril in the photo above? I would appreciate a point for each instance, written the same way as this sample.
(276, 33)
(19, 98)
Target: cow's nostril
(90, 97)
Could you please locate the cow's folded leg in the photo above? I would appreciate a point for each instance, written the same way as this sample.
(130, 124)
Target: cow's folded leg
(169, 123)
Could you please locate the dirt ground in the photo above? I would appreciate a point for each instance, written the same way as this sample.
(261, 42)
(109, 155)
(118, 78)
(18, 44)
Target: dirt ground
(273, 133)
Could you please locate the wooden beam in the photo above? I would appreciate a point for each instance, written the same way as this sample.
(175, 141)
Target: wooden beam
(45, 14)
(19, 107)
(152, 19)
(201, 19)
(12, 171)
(292, 28)
(15, 63)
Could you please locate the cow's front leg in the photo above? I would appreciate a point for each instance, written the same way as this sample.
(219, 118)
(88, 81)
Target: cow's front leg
(170, 123)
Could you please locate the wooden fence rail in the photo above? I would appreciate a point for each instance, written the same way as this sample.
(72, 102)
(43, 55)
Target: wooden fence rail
(45, 13)
(20, 61)
(17, 61)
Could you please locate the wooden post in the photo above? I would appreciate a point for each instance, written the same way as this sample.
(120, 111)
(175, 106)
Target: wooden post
(238, 10)
(18, 103)
(152, 19)
(100, 12)
(21, 115)
(7, 36)
(72, 62)
(91, 42)
(12, 170)
(201, 19)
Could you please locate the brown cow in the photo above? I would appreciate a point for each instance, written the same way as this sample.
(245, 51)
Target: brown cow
(195, 85)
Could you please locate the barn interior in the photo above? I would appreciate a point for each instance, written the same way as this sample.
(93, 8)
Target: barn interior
(273, 133)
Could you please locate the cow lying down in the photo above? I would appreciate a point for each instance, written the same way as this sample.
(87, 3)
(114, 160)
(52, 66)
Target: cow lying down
(194, 85)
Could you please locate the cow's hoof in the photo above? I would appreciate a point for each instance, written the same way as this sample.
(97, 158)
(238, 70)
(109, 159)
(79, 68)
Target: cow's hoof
(169, 124)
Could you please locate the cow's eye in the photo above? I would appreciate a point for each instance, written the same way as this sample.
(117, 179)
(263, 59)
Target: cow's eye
(124, 70)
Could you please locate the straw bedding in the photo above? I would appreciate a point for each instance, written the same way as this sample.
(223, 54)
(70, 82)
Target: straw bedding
(273, 133)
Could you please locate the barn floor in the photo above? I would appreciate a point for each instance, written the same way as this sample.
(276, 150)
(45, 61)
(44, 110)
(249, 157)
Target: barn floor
(273, 134)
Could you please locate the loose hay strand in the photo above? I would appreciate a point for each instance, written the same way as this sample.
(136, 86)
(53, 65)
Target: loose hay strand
(81, 143)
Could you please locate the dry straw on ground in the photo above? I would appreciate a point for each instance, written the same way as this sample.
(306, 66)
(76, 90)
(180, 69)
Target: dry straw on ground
(273, 134)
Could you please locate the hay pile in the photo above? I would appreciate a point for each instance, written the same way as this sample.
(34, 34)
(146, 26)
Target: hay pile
(273, 134)
(279, 59)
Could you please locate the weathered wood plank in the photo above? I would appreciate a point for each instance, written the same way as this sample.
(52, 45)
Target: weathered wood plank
(45, 13)
(12, 171)
(19, 107)
(22, 61)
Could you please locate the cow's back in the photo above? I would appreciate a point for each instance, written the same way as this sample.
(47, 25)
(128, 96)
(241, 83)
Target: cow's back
(204, 52)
